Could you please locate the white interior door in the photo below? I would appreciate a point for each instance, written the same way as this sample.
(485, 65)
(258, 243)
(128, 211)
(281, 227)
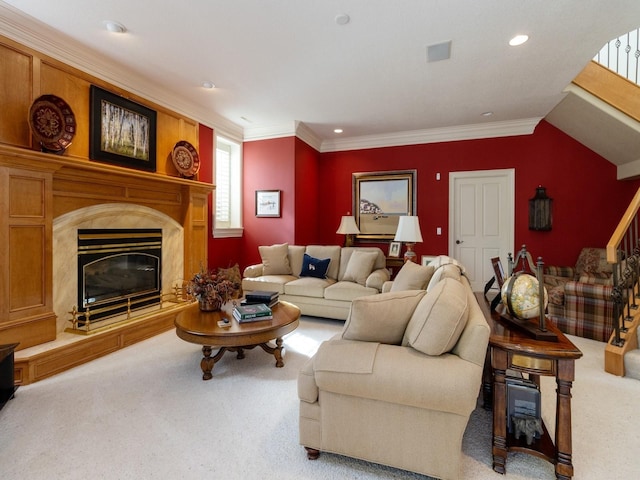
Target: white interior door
(481, 220)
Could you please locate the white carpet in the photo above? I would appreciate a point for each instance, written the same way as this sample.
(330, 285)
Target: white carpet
(145, 413)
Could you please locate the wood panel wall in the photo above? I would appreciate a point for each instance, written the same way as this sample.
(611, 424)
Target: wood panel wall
(36, 187)
(26, 74)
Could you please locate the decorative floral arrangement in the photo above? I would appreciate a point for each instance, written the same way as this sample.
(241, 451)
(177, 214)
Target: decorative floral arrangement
(211, 287)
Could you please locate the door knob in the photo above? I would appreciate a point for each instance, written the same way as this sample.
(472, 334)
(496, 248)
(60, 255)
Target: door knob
(459, 241)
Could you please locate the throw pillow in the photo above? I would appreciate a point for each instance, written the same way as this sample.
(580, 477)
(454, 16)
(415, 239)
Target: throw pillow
(412, 277)
(381, 318)
(360, 266)
(314, 267)
(438, 320)
(275, 259)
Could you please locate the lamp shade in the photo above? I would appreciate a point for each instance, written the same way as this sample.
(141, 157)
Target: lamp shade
(408, 230)
(348, 226)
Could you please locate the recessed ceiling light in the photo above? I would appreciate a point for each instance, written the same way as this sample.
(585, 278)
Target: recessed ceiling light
(518, 40)
(208, 85)
(486, 114)
(114, 27)
(342, 19)
(337, 130)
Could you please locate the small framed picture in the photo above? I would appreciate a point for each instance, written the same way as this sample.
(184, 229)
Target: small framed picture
(267, 203)
(394, 249)
(498, 271)
(426, 259)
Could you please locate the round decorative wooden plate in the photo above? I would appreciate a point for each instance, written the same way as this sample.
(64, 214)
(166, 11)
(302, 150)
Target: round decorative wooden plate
(52, 123)
(185, 159)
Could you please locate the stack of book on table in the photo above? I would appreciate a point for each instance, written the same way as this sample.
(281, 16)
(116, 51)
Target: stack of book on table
(252, 313)
(268, 298)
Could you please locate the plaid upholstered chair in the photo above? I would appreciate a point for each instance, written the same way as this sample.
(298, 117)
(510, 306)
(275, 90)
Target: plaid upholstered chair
(580, 297)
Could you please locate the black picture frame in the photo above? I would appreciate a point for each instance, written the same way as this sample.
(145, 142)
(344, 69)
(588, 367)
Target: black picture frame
(133, 146)
(376, 215)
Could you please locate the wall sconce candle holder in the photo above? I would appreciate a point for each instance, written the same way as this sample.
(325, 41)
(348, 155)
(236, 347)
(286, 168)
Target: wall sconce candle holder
(540, 217)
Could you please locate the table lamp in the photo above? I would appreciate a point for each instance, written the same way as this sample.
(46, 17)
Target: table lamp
(409, 232)
(349, 228)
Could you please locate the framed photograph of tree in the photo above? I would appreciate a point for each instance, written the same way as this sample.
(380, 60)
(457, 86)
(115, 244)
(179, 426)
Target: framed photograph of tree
(122, 132)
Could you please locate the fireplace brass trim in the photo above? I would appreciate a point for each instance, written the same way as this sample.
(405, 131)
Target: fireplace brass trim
(167, 301)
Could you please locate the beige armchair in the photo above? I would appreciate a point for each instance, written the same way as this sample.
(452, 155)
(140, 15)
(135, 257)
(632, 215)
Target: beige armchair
(398, 385)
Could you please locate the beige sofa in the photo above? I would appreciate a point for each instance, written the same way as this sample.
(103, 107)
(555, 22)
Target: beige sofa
(296, 273)
(398, 385)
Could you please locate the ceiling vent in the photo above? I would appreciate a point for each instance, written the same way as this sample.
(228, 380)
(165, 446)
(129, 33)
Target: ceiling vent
(439, 51)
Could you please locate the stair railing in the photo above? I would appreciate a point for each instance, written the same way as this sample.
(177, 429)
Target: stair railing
(623, 252)
(622, 55)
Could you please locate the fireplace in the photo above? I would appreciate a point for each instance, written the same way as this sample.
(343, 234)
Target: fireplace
(119, 270)
(50, 200)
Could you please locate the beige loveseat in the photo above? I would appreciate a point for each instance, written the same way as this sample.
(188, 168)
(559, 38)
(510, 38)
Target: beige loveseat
(398, 385)
(322, 280)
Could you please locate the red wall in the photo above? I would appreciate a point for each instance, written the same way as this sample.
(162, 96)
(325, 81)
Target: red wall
(222, 252)
(588, 201)
(316, 191)
(268, 165)
(308, 189)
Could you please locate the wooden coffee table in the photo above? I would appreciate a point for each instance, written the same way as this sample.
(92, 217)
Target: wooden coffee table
(202, 328)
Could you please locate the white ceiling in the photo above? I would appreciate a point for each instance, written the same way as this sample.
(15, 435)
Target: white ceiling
(279, 65)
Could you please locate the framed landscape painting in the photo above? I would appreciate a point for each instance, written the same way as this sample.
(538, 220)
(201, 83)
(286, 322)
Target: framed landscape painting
(122, 132)
(380, 199)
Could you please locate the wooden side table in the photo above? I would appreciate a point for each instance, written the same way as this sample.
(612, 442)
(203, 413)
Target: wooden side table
(510, 348)
(394, 264)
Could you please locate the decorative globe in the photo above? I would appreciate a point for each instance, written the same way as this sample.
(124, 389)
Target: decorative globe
(525, 296)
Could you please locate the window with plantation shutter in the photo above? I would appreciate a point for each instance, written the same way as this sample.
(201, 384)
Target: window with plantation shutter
(223, 177)
(228, 181)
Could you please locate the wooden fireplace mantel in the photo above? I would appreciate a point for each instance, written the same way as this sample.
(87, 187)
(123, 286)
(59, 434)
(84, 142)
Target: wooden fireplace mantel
(36, 188)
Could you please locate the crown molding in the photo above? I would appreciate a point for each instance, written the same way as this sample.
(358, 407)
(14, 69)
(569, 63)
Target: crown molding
(40, 37)
(296, 128)
(445, 134)
(252, 134)
(307, 135)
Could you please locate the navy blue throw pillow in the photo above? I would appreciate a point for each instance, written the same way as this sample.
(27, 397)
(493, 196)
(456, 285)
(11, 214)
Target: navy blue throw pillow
(314, 267)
